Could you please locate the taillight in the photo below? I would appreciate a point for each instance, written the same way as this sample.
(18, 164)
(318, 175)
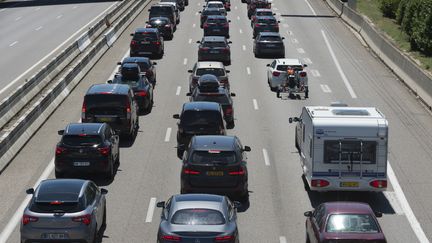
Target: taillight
(205, 25)
(190, 172)
(257, 25)
(104, 151)
(128, 109)
(171, 238)
(378, 183)
(224, 238)
(204, 49)
(157, 43)
(28, 219)
(133, 43)
(240, 172)
(319, 183)
(60, 150)
(276, 74)
(83, 110)
(303, 74)
(226, 50)
(141, 93)
(229, 110)
(86, 219)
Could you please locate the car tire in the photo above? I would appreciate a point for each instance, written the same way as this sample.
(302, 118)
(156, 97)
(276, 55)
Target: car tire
(180, 153)
(182, 191)
(117, 161)
(244, 198)
(231, 125)
(307, 238)
(307, 93)
(59, 175)
(95, 236)
(296, 143)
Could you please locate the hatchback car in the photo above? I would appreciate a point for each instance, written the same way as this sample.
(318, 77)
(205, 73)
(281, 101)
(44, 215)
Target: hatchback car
(343, 222)
(180, 3)
(269, 44)
(158, 10)
(164, 25)
(216, 4)
(207, 12)
(276, 71)
(209, 89)
(198, 218)
(87, 148)
(261, 12)
(176, 9)
(147, 67)
(216, 165)
(265, 24)
(216, 25)
(254, 4)
(215, 68)
(198, 118)
(114, 104)
(64, 210)
(214, 48)
(147, 42)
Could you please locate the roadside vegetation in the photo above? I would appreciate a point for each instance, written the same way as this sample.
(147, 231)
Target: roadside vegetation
(408, 23)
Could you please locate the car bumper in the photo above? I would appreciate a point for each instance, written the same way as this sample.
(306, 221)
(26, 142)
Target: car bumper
(269, 50)
(209, 32)
(77, 234)
(233, 192)
(96, 165)
(214, 57)
(143, 102)
(336, 184)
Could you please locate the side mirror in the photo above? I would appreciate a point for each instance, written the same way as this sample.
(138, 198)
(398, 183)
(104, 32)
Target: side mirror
(190, 71)
(274, 14)
(305, 65)
(109, 82)
(233, 94)
(268, 65)
(160, 204)
(237, 204)
(132, 34)
(154, 63)
(199, 11)
(278, 21)
(229, 42)
(176, 116)
(293, 119)
(247, 149)
(283, 38)
(146, 22)
(104, 191)
(229, 21)
(30, 191)
(308, 214)
(188, 94)
(378, 214)
(119, 63)
(198, 42)
(60, 132)
(227, 71)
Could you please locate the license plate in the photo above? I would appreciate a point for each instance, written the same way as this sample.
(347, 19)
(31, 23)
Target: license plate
(80, 163)
(271, 45)
(145, 42)
(54, 236)
(349, 184)
(215, 173)
(144, 52)
(214, 52)
(216, 30)
(104, 119)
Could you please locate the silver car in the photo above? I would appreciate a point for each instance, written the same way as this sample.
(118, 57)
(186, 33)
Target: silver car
(66, 210)
(202, 218)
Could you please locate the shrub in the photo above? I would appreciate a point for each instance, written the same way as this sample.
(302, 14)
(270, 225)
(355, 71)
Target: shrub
(401, 11)
(389, 8)
(421, 27)
(410, 14)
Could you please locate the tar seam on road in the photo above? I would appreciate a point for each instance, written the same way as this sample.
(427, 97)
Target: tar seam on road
(168, 134)
(150, 210)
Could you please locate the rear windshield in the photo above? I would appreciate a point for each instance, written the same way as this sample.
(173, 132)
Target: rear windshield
(59, 207)
(270, 38)
(213, 157)
(160, 10)
(200, 118)
(218, 98)
(214, 44)
(198, 216)
(285, 67)
(143, 65)
(81, 140)
(105, 100)
(351, 223)
(51, 199)
(215, 71)
(215, 5)
(145, 36)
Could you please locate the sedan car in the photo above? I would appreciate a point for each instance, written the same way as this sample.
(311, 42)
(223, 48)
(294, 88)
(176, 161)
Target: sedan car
(216, 4)
(164, 25)
(215, 164)
(198, 218)
(214, 48)
(209, 11)
(147, 42)
(216, 25)
(64, 210)
(343, 222)
(265, 24)
(147, 67)
(215, 68)
(269, 44)
(87, 148)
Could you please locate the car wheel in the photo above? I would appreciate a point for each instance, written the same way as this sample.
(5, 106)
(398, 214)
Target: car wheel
(182, 191)
(117, 162)
(150, 106)
(307, 93)
(180, 153)
(59, 174)
(245, 197)
(231, 125)
(95, 235)
(296, 143)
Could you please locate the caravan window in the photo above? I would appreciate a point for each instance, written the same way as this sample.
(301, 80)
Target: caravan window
(359, 150)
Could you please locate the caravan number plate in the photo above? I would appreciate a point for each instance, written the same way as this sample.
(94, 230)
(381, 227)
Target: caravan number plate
(349, 184)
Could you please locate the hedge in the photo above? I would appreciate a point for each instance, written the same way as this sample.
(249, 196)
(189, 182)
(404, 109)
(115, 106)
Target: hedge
(389, 8)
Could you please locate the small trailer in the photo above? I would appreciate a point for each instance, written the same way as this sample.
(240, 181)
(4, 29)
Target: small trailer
(342, 148)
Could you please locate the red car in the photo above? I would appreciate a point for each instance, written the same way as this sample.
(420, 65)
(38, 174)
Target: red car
(343, 222)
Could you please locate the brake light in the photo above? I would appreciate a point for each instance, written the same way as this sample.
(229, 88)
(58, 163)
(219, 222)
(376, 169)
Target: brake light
(28, 219)
(104, 151)
(224, 238)
(204, 49)
(378, 183)
(128, 109)
(86, 219)
(276, 74)
(56, 203)
(83, 110)
(303, 74)
(141, 93)
(226, 50)
(133, 43)
(240, 172)
(257, 25)
(171, 238)
(157, 42)
(205, 25)
(229, 110)
(190, 172)
(319, 183)
(60, 150)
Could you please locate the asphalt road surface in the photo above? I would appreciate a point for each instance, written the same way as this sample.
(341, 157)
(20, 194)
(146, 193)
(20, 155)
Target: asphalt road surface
(340, 69)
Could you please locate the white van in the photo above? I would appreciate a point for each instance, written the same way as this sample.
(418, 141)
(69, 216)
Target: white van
(342, 148)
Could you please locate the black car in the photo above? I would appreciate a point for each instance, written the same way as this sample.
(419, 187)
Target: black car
(143, 90)
(180, 3)
(87, 148)
(147, 42)
(269, 44)
(207, 12)
(114, 104)
(209, 89)
(164, 25)
(146, 66)
(198, 118)
(254, 4)
(265, 24)
(215, 68)
(158, 10)
(261, 12)
(216, 165)
(216, 25)
(214, 48)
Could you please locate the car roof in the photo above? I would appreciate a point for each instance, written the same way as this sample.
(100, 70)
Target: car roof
(136, 59)
(168, 3)
(269, 34)
(140, 30)
(214, 38)
(210, 65)
(288, 61)
(158, 5)
(201, 105)
(70, 186)
(83, 128)
(108, 89)
(189, 201)
(214, 2)
(213, 142)
(347, 207)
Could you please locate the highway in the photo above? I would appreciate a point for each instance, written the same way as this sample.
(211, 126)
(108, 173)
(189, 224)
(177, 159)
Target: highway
(340, 68)
(33, 30)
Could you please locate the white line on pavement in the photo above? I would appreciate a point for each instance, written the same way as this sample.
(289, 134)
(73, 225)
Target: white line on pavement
(307, 60)
(310, 6)
(178, 90)
(415, 225)
(289, 32)
(285, 25)
(315, 73)
(199, 4)
(190, 41)
(18, 18)
(275, 9)
(241, 31)
(150, 210)
(13, 43)
(196, 13)
(325, 88)
(1, 10)
(282, 239)
(266, 157)
(300, 50)
(116, 69)
(168, 134)
(235, 7)
(339, 68)
(394, 202)
(185, 61)
(294, 40)
(59, 16)
(244, 48)
(248, 70)
(38, 28)
(37, 9)
(238, 17)
(194, 25)
(255, 104)
(74, 7)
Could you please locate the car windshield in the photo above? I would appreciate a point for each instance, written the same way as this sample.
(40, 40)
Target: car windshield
(351, 223)
(198, 216)
(81, 140)
(215, 71)
(212, 12)
(214, 44)
(215, 5)
(213, 157)
(145, 36)
(156, 10)
(200, 118)
(270, 38)
(218, 98)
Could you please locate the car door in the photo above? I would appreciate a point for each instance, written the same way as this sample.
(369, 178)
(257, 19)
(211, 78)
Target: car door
(93, 202)
(114, 140)
(316, 224)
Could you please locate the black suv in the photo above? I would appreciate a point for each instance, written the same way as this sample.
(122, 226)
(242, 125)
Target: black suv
(198, 118)
(214, 48)
(146, 66)
(270, 44)
(180, 3)
(216, 25)
(215, 68)
(209, 89)
(168, 11)
(131, 75)
(147, 42)
(88, 148)
(164, 25)
(209, 11)
(216, 165)
(265, 24)
(114, 104)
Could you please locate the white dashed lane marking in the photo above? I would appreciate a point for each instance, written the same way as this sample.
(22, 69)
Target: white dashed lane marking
(241, 31)
(238, 17)
(300, 50)
(168, 134)
(37, 9)
(178, 90)
(190, 41)
(307, 60)
(255, 104)
(75, 7)
(294, 40)
(150, 210)
(13, 43)
(185, 61)
(194, 25)
(285, 25)
(38, 28)
(325, 88)
(266, 157)
(59, 16)
(282, 239)
(244, 48)
(18, 18)
(315, 73)
(248, 70)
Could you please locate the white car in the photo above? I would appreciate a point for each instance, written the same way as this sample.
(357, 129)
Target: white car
(277, 71)
(216, 4)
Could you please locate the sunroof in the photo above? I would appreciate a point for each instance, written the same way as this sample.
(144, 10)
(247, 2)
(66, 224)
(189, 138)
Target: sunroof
(346, 112)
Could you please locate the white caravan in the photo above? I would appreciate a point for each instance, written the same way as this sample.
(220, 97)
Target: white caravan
(342, 148)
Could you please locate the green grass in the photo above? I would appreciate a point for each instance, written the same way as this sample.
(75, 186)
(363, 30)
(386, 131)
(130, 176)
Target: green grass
(370, 8)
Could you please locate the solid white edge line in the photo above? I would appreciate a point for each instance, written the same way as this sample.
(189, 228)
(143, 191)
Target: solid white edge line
(310, 6)
(150, 210)
(178, 90)
(190, 41)
(282, 239)
(116, 68)
(255, 104)
(338, 66)
(415, 225)
(168, 134)
(53, 51)
(266, 157)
